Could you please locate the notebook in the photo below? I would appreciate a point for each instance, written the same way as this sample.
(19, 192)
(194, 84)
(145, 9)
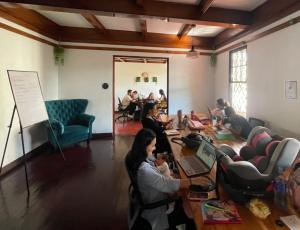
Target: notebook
(200, 163)
(219, 212)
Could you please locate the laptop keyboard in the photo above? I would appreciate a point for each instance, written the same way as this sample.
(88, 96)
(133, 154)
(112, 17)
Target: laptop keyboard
(191, 165)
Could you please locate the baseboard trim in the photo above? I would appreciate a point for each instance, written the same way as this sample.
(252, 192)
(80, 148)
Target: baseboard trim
(19, 161)
(101, 136)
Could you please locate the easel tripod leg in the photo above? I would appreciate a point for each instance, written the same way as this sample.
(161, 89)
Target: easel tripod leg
(24, 158)
(7, 138)
(60, 150)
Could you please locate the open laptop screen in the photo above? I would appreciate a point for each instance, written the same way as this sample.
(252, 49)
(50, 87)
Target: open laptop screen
(206, 153)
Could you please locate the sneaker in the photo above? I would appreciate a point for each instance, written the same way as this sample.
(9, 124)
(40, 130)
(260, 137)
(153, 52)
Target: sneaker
(130, 116)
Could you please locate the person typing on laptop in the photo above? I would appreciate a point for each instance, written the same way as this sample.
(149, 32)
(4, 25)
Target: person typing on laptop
(154, 186)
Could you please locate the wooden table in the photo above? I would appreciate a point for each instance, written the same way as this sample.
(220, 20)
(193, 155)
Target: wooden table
(249, 221)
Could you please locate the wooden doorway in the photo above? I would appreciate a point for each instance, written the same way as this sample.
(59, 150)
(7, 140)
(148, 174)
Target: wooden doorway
(144, 74)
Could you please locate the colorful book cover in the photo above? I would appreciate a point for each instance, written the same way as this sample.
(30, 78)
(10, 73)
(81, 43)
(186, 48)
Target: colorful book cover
(219, 212)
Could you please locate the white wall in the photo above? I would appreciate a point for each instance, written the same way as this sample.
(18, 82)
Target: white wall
(21, 53)
(271, 60)
(125, 74)
(84, 71)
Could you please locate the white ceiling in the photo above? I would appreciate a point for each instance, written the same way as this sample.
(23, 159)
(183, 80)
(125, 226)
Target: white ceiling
(66, 19)
(115, 23)
(205, 31)
(163, 27)
(246, 5)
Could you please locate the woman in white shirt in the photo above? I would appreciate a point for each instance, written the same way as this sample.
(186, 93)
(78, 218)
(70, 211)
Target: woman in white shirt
(154, 186)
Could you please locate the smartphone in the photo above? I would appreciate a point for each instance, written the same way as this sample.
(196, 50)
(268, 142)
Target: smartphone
(193, 195)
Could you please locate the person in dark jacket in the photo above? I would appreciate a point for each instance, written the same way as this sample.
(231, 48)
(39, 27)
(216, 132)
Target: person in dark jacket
(149, 121)
(239, 124)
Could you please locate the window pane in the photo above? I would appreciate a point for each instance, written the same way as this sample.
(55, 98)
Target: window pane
(238, 80)
(239, 97)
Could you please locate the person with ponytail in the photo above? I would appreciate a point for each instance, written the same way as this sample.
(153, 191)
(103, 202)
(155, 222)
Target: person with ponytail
(154, 186)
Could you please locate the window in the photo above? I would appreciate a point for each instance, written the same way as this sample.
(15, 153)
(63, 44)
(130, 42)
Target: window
(238, 80)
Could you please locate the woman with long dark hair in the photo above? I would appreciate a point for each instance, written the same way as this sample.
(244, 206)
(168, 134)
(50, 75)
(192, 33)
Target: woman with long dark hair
(154, 186)
(149, 121)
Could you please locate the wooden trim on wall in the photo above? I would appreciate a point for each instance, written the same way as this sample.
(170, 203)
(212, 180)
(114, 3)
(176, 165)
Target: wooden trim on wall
(19, 161)
(262, 34)
(97, 136)
(20, 32)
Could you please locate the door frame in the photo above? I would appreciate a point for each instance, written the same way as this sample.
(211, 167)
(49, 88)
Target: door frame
(113, 89)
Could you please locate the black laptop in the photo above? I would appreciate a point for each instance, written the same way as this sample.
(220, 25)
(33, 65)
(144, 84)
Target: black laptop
(200, 163)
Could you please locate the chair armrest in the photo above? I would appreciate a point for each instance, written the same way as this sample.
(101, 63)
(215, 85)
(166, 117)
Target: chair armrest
(84, 119)
(56, 125)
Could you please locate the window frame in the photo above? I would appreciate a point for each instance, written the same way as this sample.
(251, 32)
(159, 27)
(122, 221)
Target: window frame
(230, 71)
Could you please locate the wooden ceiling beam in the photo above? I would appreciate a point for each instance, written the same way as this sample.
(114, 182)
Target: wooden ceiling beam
(143, 24)
(204, 5)
(175, 12)
(185, 30)
(93, 20)
(266, 14)
(30, 19)
(117, 37)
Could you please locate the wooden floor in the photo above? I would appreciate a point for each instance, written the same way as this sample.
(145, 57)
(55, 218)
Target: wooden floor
(129, 127)
(89, 192)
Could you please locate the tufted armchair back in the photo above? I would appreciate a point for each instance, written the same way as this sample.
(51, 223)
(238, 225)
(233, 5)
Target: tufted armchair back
(66, 111)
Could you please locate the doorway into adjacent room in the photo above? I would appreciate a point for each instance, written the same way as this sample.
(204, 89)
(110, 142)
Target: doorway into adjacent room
(137, 81)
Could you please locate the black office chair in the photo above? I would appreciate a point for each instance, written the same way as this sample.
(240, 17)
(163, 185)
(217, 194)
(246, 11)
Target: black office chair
(124, 112)
(137, 205)
(253, 122)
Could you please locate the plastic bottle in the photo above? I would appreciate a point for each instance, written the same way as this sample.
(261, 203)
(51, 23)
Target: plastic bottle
(280, 190)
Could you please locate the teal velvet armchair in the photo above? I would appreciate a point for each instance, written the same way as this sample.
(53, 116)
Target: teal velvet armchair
(69, 123)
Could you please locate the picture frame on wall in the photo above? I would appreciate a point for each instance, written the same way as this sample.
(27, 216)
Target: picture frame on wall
(290, 89)
(146, 79)
(137, 79)
(154, 79)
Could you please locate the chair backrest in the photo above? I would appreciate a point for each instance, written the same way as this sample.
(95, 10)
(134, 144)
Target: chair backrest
(65, 110)
(255, 122)
(257, 130)
(133, 181)
(283, 156)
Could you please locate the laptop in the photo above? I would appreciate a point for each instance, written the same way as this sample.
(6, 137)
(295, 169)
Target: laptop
(200, 163)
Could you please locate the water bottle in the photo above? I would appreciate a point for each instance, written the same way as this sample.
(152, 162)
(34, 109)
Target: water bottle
(280, 190)
(185, 121)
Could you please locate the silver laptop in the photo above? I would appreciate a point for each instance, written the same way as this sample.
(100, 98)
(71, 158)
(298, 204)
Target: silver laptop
(200, 163)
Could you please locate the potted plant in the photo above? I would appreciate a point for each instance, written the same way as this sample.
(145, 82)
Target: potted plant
(58, 52)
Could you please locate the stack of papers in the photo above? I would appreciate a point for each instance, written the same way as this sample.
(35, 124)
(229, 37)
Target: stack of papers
(224, 134)
(172, 132)
(292, 222)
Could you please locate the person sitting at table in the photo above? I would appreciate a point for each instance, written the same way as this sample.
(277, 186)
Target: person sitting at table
(238, 124)
(149, 121)
(154, 186)
(218, 111)
(150, 98)
(129, 103)
(163, 96)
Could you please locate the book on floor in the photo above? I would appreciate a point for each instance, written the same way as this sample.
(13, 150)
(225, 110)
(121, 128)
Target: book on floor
(219, 212)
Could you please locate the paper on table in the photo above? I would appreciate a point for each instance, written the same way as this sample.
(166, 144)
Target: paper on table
(172, 132)
(292, 222)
